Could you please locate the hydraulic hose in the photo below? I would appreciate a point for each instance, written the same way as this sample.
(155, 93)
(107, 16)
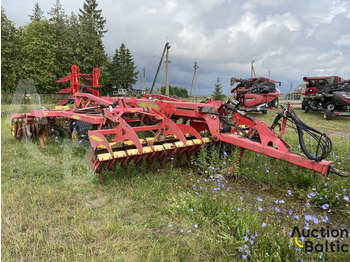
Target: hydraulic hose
(324, 144)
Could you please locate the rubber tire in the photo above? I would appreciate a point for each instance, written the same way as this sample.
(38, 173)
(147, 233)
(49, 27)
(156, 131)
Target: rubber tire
(274, 103)
(307, 109)
(264, 111)
(330, 106)
(304, 104)
(327, 114)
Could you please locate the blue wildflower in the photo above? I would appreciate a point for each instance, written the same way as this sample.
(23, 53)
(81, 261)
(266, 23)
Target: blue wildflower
(308, 217)
(325, 206)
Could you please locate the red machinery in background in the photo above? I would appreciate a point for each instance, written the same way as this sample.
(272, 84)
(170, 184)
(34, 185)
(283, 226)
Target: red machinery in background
(256, 94)
(330, 94)
(152, 129)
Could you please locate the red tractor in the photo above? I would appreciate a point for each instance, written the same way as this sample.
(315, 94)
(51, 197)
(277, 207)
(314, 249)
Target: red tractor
(330, 94)
(256, 94)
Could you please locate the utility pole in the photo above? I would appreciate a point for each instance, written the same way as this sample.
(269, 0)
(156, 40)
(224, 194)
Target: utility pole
(144, 78)
(194, 79)
(167, 71)
(252, 71)
(140, 80)
(166, 47)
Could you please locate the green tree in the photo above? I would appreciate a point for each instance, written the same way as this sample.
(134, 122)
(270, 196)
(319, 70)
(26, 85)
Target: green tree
(92, 17)
(217, 93)
(9, 54)
(59, 27)
(37, 14)
(39, 55)
(91, 50)
(123, 68)
(73, 42)
(180, 92)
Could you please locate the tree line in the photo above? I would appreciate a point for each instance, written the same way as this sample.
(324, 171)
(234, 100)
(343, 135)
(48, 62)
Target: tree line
(45, 49)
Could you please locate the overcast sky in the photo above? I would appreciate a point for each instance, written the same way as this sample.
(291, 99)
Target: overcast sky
(289, 38)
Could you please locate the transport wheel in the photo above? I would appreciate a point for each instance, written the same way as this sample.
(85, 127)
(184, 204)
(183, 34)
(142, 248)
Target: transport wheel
(264, 111)
(274, 103)
(327, 114)
(307, 109)
(330, 106)
(304, 104)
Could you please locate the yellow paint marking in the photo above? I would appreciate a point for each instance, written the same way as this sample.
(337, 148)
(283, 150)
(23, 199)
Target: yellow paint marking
(96, 138)
(76, 117)
(62, 107)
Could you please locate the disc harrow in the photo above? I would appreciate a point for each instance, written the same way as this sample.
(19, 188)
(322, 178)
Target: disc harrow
(155, 129)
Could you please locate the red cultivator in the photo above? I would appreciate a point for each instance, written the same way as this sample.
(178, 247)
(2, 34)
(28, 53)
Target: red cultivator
(155, 128)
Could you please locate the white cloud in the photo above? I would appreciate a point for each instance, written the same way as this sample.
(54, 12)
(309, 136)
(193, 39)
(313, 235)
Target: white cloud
(290, 38)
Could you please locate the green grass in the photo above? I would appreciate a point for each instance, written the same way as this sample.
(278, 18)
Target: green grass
(173, 214)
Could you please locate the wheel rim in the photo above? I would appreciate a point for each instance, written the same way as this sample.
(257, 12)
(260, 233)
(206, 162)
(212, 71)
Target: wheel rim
(330, 107)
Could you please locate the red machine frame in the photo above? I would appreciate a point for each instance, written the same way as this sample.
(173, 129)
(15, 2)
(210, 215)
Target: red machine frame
(118, 121)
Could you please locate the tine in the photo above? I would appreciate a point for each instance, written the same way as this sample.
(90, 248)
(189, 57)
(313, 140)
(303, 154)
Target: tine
(115, 170)
(164, 160)
(101, 174)
(141, 165)
(153, 164)
(127, 166)
(175, 156)
(183, 158)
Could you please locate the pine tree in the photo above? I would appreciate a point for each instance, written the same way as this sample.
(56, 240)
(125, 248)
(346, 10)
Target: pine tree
(38, 14)
(217, 93)
(59, 27)
(91, 17)
(91, 50)
(9, 54)
(73, 42)
(123, 68)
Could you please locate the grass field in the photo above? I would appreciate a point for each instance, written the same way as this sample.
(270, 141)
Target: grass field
(198, 212)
